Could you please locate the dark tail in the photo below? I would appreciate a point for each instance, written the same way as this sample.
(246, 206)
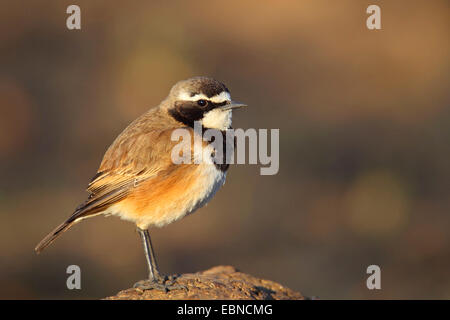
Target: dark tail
(53, 235)
(90, 208)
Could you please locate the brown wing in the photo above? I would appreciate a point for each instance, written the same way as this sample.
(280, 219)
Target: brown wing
(139, 153)
(131, 159)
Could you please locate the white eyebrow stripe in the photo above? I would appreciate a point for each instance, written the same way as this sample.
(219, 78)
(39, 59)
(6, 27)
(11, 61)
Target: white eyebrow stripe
(218, 98)
(221, 97)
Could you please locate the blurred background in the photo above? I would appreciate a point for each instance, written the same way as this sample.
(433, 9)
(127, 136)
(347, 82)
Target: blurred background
(364, 123)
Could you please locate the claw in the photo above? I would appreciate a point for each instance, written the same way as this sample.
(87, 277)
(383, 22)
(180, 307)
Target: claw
(167, 283)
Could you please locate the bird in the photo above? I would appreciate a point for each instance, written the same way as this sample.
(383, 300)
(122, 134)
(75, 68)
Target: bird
(138, 180)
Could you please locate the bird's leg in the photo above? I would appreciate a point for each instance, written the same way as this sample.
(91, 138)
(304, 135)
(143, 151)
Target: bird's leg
(153, 272)
(155, 280)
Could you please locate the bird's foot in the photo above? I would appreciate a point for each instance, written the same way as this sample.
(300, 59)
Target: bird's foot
(166, 283)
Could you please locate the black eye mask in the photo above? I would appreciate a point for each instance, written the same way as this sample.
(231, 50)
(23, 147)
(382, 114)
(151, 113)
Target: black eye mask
(189, 111)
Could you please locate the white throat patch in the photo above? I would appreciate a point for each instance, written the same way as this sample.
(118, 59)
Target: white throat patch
(217, 119)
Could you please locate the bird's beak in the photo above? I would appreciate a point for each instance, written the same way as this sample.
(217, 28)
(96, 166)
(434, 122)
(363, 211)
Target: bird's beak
(233, 105)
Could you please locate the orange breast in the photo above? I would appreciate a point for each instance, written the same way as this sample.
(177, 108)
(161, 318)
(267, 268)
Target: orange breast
(164, 199)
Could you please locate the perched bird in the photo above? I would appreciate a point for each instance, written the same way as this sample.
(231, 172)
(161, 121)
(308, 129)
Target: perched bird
(138, 180)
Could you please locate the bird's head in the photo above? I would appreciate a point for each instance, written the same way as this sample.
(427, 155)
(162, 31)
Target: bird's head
(202, 99)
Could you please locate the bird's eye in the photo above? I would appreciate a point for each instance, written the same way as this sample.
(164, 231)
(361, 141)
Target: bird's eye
(202, 102)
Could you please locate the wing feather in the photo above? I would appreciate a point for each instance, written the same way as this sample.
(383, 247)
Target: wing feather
(141, 152)
(130, 160)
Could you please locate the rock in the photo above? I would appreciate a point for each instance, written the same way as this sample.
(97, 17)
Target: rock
(221, 282)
